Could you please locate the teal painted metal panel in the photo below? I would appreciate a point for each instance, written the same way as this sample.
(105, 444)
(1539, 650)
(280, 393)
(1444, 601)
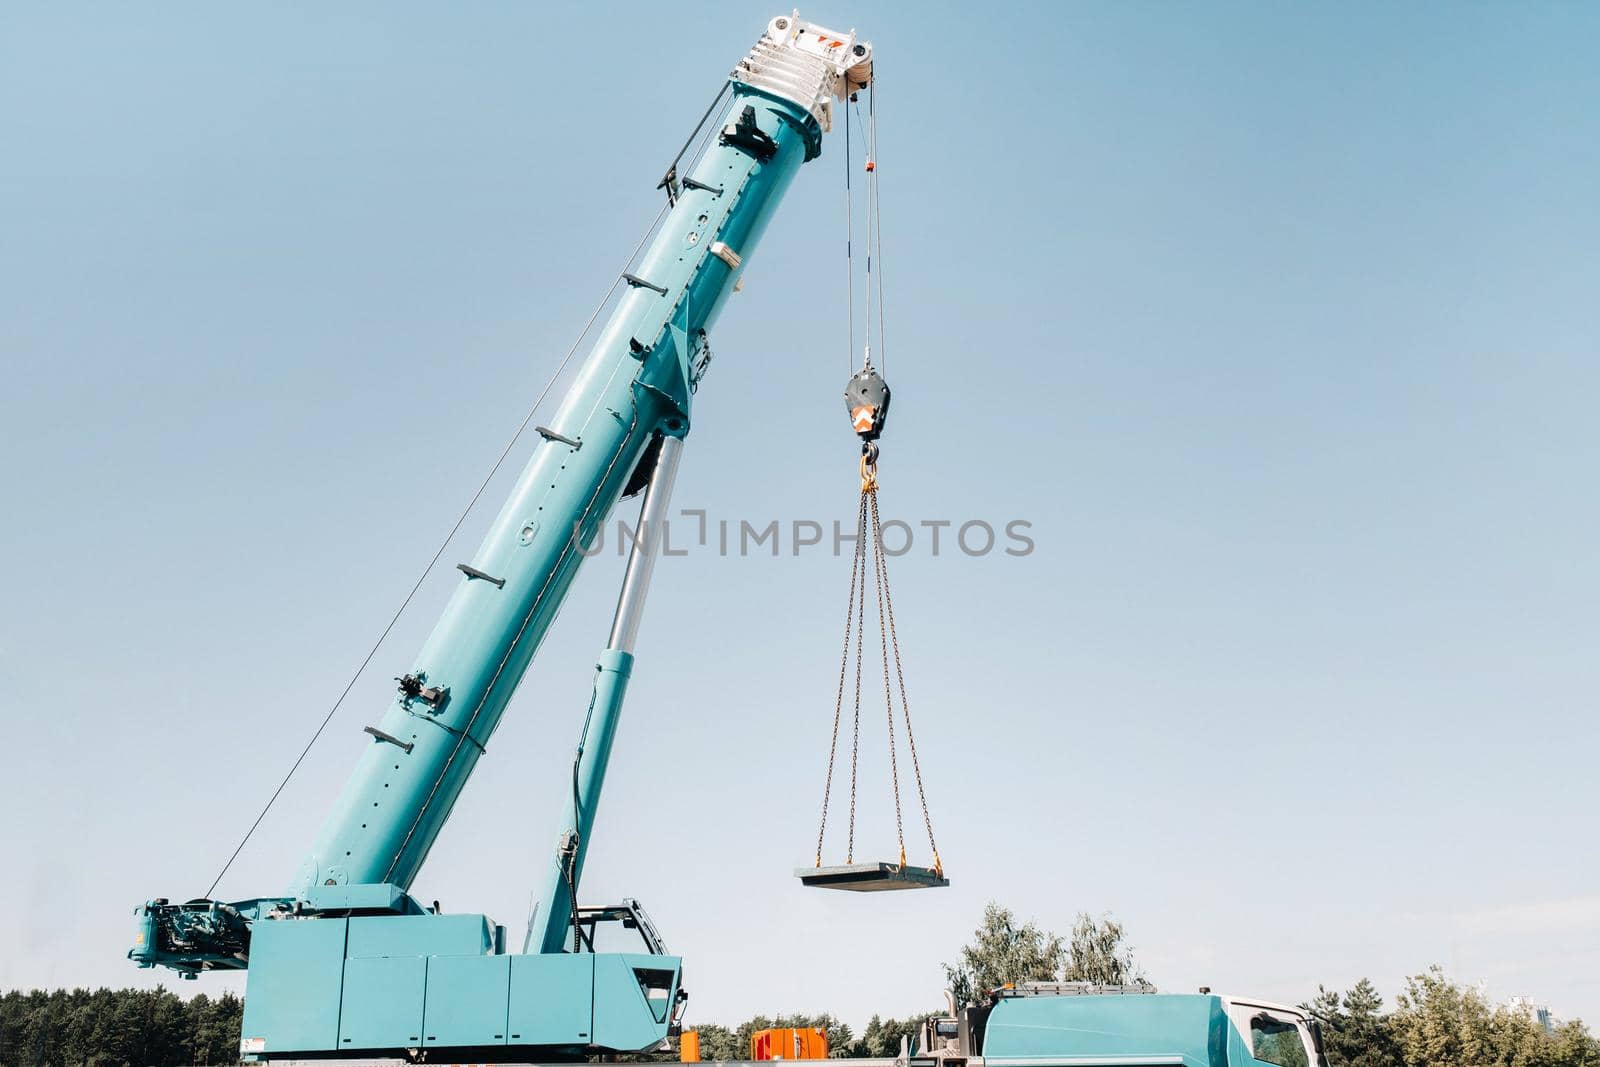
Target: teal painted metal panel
(382, 1004)
(362, 897)
(626, 1019)
(468, 999)
(296, 968)
(1239, 1054)
(419, 935)
(552, 1000)
(1186, 1028)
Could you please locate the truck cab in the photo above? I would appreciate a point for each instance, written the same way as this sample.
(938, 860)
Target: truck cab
(1274, 1034)
(1073, 1024)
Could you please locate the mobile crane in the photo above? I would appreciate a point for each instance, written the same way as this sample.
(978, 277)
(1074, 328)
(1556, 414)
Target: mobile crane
(346, 963)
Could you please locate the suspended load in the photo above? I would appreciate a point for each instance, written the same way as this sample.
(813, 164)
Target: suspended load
(867, 399)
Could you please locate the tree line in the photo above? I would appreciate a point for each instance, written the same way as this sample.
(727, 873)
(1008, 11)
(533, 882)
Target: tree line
(1434, 1022)
(133, 1027)
(1438, 1023)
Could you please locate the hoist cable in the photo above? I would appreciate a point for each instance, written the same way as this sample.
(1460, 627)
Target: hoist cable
(874, 222)
(872, 172)
(493, 470)
(570, 868)
(849, 252)
(877, 216)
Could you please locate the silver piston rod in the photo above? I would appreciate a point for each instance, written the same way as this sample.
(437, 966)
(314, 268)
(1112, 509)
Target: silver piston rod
(646, 539)
(554, 919)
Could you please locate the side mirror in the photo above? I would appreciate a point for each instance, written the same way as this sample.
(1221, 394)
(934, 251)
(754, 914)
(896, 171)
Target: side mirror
(1315, 1027)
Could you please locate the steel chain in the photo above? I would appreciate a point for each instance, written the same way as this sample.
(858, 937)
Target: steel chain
(905, 705)
(838, 703)
(861, 629)
(880, 582)
(869, 523)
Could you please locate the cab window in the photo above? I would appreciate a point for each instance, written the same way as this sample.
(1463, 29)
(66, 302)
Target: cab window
(1277, 1041)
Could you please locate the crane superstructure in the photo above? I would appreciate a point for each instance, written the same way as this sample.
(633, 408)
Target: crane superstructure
(346, 962)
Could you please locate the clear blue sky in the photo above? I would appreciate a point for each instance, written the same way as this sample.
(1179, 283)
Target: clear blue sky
(1277, 322)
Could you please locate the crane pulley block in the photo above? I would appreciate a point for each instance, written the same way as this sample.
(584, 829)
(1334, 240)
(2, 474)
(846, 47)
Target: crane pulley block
(866, 397)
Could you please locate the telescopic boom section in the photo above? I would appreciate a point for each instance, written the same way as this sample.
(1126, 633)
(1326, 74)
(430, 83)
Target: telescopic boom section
(634, 386)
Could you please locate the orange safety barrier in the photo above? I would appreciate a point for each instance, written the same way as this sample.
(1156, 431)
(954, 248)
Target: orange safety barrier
(689, 1046)
(789, 1043)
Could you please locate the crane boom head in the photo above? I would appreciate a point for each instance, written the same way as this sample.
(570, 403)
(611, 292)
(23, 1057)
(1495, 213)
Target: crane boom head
(807, 64)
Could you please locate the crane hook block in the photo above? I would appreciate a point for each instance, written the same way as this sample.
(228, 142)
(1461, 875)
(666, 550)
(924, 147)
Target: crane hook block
(866, 397)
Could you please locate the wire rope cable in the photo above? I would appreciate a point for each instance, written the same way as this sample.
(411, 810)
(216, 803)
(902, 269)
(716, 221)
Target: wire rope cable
(872, 183)
(877, 216)
(849, 253)
(417, 585)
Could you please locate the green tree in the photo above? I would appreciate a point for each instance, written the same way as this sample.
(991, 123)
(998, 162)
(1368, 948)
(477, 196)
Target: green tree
(1355, 1031)
(1573, 1047)
(718, 1043)
(1095, 953)
(883, 1037)
(214, 1028)
(1002, 952)
(1436, 1022)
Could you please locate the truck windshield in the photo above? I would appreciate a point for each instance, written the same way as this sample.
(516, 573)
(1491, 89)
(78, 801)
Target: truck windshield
(1277, 1041)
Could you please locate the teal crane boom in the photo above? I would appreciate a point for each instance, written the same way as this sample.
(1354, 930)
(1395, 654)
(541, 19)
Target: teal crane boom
(346, 962)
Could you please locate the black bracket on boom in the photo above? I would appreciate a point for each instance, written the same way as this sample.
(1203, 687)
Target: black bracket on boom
(411, 688)
(669, 182)
(551, 435)
(484, 576)
(747, 137)
(390, 738)
(639, 283)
